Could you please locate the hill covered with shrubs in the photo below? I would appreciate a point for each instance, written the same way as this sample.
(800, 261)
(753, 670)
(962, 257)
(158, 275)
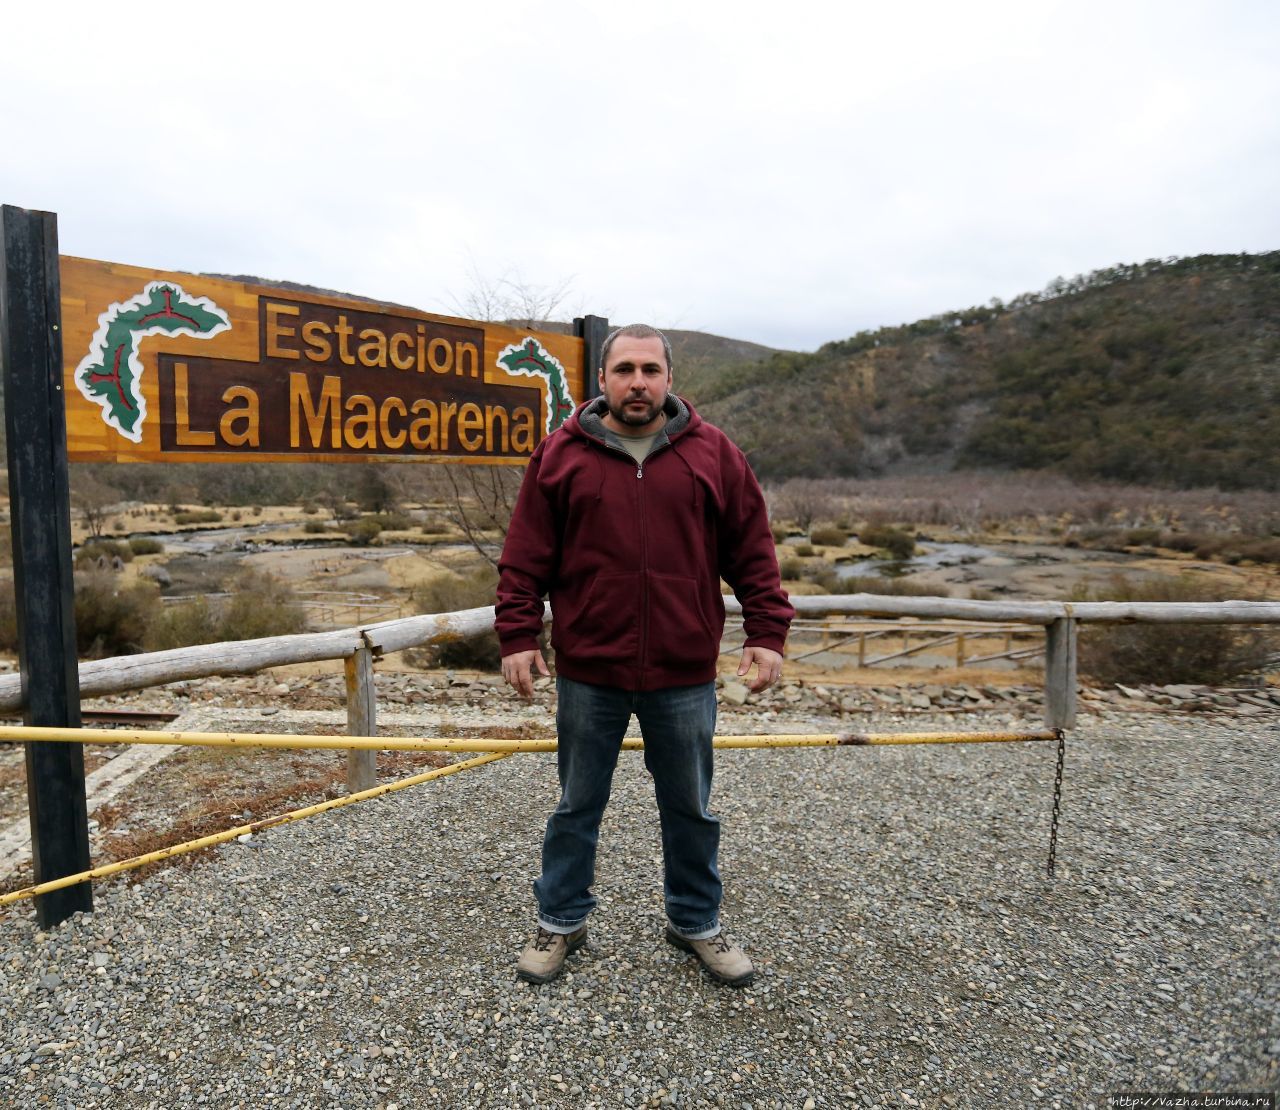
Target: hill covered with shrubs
(1165, 373)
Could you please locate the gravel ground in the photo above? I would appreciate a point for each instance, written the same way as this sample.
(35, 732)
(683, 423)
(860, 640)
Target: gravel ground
(910, 950)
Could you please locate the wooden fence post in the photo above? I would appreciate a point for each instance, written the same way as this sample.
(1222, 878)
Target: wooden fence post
(592, 330)
(362, 720)
(35, 422)
(1060, 673)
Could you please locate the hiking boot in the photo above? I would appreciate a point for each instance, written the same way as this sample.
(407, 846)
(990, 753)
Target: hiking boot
(543, 957)
(723, 959)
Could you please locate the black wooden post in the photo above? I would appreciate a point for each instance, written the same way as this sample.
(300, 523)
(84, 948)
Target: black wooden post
(35, 423)
(593, 330)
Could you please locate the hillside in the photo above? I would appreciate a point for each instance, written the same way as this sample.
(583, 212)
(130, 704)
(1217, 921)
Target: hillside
(1163, 373)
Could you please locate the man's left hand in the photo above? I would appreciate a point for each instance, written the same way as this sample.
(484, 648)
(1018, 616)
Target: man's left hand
(770, 667)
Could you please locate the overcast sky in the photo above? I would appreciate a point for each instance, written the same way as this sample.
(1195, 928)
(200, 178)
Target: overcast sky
(785, 173)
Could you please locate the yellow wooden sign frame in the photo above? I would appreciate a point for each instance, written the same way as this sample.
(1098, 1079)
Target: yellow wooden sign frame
(174, 367)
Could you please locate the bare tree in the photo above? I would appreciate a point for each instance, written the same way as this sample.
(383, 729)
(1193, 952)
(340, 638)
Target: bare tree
(511, 299)
(94, 499)
(802, 500)
(479, 499)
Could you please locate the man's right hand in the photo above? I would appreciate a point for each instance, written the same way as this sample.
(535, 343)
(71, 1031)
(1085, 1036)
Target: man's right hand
(517, 669)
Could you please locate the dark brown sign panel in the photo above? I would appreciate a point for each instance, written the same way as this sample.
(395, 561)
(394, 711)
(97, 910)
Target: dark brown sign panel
(348, 382)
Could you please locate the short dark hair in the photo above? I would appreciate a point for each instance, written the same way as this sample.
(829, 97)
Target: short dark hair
(635, 331)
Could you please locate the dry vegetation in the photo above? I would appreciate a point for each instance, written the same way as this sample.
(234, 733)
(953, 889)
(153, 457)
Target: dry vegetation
(1031, 505)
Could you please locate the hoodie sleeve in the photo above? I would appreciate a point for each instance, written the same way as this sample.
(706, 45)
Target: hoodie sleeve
(748, 561)
(528, 561)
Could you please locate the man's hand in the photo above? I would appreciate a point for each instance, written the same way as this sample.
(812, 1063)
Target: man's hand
(517, 669)
(770, 663)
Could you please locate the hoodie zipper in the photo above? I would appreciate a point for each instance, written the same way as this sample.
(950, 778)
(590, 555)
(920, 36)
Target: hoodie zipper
(644, 576)
(644, 552)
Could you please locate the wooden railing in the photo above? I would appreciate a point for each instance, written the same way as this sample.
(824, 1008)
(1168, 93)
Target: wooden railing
(866, 635)
(360, 646)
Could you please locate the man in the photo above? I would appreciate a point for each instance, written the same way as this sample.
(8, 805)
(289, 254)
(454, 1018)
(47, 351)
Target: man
(629, 515)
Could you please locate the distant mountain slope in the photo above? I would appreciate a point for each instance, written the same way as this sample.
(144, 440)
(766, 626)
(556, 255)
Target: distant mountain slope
(1166, 372)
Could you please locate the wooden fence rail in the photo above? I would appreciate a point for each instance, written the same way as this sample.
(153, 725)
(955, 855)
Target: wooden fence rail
(361, 645)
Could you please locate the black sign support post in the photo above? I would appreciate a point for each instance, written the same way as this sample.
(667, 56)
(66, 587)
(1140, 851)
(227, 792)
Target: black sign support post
(592, 330)
(40, 514)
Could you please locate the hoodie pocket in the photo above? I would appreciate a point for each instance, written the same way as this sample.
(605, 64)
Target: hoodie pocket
(680, 635)
(605, 627)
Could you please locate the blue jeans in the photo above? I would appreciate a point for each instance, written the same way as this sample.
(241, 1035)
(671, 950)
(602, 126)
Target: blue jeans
(677, 724)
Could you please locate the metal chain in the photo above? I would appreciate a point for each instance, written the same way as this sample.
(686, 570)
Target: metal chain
(1057, 799)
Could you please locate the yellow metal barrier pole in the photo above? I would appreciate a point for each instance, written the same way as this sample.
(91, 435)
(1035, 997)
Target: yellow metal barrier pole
(492, 744)
(241, 830)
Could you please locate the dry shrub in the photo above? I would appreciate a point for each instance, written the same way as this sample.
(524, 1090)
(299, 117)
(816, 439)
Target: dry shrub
(363, 532)
(183, 624)
(1230, 547)
(314, 527)
(88, 556)
(828, 536)
(977, 500)
(792, 570)
(392, 521)
(898, 543)
(1142, 537)
(450, 595)
(198, 516)
(832, 583)
(1194, 654)
(111, 618)
(145, 545)
(260, 606)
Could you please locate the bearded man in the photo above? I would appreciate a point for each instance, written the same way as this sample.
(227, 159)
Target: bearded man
(629, 516)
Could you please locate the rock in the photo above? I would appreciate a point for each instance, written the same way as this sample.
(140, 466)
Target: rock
(1130, 692)
(280, 689)
(157, 574)
(735, 693)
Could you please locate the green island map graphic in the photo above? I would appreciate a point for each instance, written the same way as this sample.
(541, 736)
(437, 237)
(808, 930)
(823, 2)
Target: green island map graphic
(109, 375)
(531, 359)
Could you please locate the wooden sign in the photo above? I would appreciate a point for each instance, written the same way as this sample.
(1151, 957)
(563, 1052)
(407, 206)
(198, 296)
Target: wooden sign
(167, 367)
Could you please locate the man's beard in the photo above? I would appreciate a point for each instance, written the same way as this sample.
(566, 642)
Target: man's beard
(624, 415)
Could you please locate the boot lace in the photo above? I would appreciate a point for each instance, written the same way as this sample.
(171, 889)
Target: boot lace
(544, 940)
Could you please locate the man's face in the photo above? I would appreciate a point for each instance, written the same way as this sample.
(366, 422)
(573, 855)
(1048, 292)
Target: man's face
(635, 382)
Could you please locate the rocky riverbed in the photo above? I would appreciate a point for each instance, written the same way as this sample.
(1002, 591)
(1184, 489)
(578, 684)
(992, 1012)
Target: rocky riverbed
(911, 950)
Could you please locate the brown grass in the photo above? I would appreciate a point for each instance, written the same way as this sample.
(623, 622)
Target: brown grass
(976, 502)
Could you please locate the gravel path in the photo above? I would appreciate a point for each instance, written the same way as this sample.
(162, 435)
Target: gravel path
(910, 950)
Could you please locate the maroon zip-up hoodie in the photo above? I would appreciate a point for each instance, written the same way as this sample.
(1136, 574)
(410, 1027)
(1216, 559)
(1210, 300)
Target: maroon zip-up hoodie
(632, 554)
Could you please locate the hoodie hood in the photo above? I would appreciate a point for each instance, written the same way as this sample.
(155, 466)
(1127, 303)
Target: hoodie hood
(587, 421)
